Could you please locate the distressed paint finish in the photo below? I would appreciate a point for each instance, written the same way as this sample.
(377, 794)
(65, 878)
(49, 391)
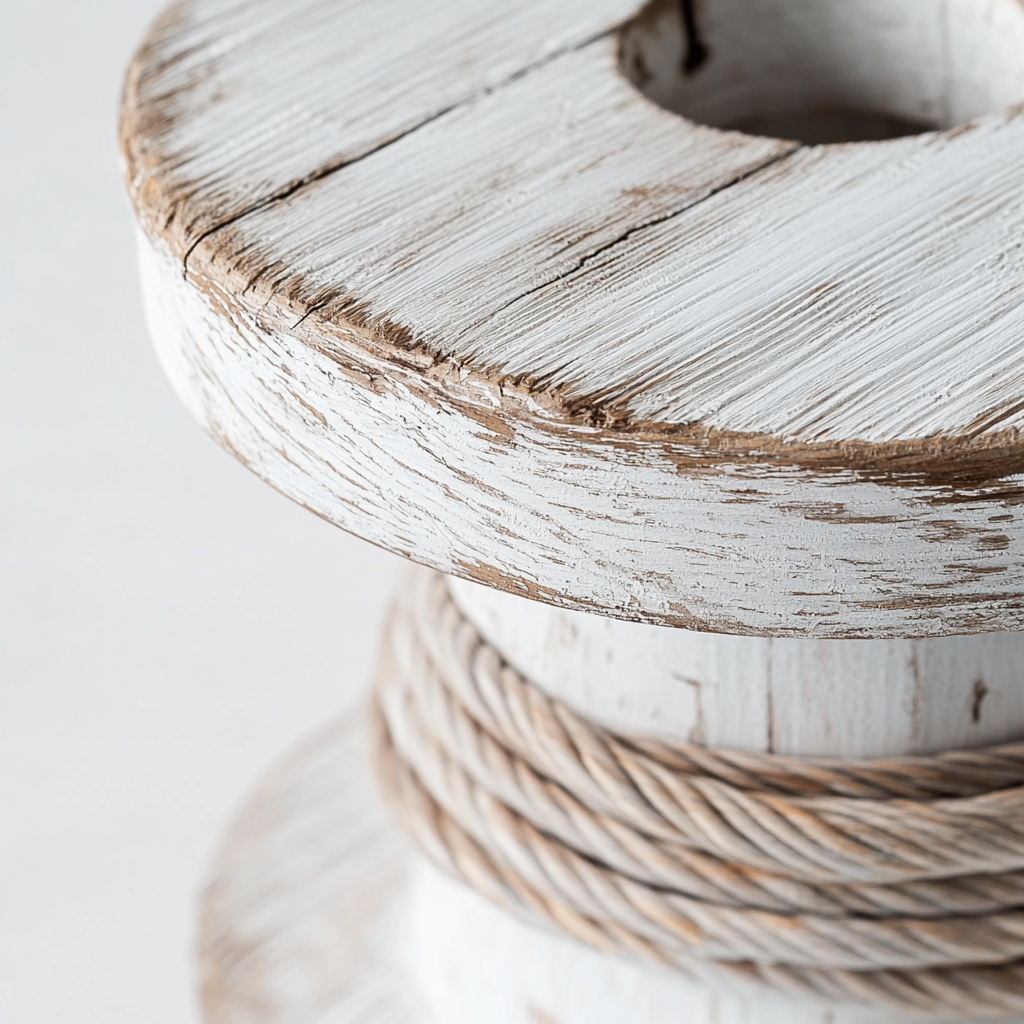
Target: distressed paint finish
(305, 916)
(230, 103)
(443, 274)
(634, 526)
(804, 697)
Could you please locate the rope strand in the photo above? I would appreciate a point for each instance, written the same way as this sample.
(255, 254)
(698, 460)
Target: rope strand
(895, 883)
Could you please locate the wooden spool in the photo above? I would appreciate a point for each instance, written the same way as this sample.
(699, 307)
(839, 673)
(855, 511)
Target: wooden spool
(514, 290)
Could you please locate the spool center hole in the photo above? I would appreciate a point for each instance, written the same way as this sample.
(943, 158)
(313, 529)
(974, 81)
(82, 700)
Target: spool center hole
(828, 71)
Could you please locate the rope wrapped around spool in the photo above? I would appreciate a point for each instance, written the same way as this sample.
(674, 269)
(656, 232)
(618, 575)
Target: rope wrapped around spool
(895, 883)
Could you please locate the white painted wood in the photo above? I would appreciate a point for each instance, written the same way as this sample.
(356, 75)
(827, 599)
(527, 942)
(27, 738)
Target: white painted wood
(569, 516)
(848, 698)
(305, 920)
(454, 283)
(479, 965)
(317, 915)
(936, 64)
(229, 103)
(442, 273)
(316, 910)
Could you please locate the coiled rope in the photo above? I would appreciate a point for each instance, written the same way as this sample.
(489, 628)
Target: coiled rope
(895, 883)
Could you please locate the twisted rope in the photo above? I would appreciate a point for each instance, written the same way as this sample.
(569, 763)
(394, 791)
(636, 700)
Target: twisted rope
(895, 883)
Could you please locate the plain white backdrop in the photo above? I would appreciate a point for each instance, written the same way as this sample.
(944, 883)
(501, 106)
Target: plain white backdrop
(169, 626)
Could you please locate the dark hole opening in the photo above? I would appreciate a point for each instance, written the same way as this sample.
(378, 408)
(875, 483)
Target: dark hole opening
(828, 71)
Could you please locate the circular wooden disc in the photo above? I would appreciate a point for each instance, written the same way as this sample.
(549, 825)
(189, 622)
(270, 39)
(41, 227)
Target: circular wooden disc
(304, 921)
(442, 273)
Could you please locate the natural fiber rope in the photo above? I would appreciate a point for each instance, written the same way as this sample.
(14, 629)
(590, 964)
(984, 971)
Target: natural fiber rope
(894, 883)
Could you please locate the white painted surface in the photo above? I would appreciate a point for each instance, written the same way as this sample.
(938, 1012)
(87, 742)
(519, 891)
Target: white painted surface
(847, 698)
(478, 965)
(297, 887)
(290, 62)
(557, 339)
(168, 625)
(463, 343)
(939, 64)
(307, 916)
(312, 920)
(482, 231)
(587, 521)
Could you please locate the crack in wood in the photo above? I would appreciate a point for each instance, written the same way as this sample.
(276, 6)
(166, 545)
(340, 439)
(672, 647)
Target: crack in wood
(333, 167)
(625, 236)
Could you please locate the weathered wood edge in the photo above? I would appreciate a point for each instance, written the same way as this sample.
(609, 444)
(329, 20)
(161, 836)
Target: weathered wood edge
(958, 466)
(172, 204)
(578, 517)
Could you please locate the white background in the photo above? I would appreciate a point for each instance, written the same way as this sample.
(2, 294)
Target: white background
(169, 626)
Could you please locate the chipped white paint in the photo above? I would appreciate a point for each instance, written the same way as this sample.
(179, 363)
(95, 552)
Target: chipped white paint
(229, 103)
(843, 698)
(571, 515)
(457, 285)
(442, 273)
(798, 303)
(613, 263)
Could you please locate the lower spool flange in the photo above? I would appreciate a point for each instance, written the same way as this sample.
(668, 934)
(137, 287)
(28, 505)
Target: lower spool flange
(304, 921)
(317, 914)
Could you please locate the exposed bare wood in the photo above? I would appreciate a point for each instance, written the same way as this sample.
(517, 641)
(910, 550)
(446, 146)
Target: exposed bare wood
(517, 291)
(446, 264)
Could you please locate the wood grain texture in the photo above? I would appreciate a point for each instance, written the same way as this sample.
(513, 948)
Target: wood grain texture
(454, 283)
(230, 104)
(801, 697)
(318, 913)
(305, 920)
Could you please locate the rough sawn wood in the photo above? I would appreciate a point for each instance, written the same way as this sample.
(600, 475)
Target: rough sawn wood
(441, 273)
